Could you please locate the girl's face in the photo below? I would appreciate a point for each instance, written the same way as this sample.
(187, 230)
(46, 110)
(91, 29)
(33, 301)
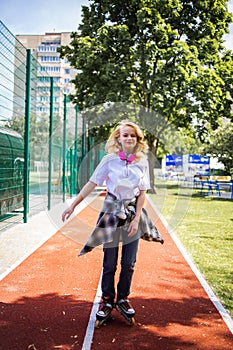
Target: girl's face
(127, 139)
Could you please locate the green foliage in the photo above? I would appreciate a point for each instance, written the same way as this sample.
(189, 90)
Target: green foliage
(164, 55)
(220, 144)
(179, 141)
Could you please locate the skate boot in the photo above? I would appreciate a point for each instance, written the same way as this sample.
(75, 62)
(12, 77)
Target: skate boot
(104, 312)
(124, 307)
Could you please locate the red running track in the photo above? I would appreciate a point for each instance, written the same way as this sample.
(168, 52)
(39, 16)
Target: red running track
(46, 301)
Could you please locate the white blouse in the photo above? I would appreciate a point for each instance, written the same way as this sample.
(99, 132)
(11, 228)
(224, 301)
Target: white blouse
(123, 180)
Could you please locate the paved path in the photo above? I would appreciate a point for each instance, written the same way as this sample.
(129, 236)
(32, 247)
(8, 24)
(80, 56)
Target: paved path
(48, 296)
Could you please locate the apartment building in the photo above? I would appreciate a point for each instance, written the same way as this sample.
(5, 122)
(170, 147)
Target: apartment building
(45, 63)
(44, 50)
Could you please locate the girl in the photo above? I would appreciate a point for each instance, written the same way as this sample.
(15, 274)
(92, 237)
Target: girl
(122, 218)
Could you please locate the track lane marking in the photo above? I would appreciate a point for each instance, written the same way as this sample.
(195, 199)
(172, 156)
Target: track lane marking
(91, 324)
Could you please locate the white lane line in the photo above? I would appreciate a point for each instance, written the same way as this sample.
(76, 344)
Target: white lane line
(217, 303)
(91, 324)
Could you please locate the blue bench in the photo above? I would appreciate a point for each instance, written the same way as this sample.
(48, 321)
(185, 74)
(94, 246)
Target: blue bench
(216, 187)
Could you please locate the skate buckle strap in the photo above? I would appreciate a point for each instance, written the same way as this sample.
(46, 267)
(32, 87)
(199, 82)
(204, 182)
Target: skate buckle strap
(105, 308)
(126, 305)
(108, 305)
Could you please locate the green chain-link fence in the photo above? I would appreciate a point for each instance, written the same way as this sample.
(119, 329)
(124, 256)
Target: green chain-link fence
(39, 136)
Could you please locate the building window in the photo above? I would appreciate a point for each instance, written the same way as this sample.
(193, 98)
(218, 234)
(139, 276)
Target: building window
(53, 42)
(50, 59)
(42, 109)
(43, 99)
(47, 79)
(43, 88)
(44, 79)
(49, 69)
(47, 89)
(47, 48)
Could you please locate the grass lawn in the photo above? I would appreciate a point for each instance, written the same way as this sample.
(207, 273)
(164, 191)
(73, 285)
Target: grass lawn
(204, 226)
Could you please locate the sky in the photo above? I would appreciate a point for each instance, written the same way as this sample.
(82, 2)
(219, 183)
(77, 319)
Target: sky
(43, 16)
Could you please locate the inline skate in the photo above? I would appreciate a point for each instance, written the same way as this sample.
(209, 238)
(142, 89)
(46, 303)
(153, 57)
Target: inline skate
(124, 307)
(104, 312)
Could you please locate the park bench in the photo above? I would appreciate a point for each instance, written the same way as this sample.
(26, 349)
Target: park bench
(215, 187)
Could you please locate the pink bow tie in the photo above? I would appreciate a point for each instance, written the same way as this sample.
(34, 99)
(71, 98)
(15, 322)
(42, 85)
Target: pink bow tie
(128, 159)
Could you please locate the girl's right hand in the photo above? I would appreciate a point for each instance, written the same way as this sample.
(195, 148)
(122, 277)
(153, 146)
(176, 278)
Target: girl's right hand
(66, 214)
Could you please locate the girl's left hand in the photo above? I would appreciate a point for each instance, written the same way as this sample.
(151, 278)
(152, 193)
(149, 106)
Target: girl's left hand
(133, 228)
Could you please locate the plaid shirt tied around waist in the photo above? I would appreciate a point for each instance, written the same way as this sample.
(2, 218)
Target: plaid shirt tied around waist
(115, 215)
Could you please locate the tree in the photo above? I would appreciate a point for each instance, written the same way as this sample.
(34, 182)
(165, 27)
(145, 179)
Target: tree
(165, 56)
(220, 144)
(179, 142)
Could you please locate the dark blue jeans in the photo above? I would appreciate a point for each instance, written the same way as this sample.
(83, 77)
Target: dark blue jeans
(128, 259)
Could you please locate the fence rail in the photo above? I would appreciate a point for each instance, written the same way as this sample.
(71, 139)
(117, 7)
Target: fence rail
(44, 170)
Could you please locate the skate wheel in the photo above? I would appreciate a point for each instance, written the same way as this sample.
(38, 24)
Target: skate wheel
(97, 324)
(132, 321)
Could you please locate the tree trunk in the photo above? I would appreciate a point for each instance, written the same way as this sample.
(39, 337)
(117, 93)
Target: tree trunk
(152, 143)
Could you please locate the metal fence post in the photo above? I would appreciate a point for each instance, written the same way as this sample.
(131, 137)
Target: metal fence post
(75, 189)
(64, 151)
(91, 161)
(27, 137)
(83, 137)
(50, 143)
(71, 177)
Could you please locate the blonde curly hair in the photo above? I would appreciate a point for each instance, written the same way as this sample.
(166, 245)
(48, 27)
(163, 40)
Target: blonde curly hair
(113, 145)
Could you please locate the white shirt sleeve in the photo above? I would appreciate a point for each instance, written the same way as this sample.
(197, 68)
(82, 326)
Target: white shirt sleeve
(101, 172)
(145, 180)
